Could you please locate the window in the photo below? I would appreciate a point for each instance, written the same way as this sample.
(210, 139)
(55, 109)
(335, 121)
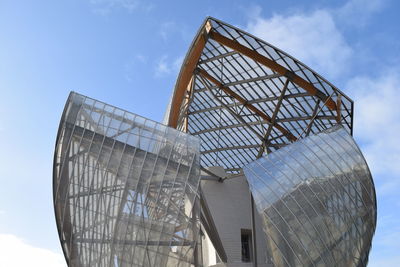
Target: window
(246, 245)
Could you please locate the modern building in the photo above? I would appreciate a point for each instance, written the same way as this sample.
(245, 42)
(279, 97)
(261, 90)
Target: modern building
(254, 165)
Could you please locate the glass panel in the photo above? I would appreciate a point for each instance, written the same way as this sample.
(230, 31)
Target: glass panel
(317, 201)
(126, 188)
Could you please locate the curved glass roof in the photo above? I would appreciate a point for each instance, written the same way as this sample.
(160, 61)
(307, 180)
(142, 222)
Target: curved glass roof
(244, 97)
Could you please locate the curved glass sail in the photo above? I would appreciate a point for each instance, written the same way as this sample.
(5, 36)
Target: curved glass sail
(317, 201)
(244, 97)
(125, 188)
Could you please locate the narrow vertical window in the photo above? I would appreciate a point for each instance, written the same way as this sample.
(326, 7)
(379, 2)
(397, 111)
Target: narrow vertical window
(246, 245)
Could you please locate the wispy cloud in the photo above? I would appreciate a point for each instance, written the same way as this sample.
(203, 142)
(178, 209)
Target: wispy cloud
(377, 124)
(131, 67)
(387, 241)
(166, 29)
(105, 7)
(392, 261)
(357, 13)
(317, 38)
(311, 37)
(171, 30)
(15, 252)
(165, 66)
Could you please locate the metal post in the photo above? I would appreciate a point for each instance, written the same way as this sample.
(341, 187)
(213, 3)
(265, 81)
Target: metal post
(196, 245)
(253, 232)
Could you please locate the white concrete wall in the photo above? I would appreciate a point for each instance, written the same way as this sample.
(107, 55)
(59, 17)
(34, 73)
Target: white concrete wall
(230, 206)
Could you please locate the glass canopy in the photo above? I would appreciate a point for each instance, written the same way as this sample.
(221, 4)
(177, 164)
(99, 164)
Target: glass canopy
(317, 201)
(125, 188)
(244, 97)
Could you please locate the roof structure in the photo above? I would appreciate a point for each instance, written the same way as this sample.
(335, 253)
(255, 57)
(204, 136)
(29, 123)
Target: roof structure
(130, 191)
(244, 97)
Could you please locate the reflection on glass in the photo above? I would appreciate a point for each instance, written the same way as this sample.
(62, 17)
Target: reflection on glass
(125, 188)
(317, 201)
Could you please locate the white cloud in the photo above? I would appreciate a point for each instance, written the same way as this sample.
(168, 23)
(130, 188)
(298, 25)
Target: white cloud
(392, 261)
(358, 12)
(171, 31)
(178, 62)
(316, 40)
(386, 246)
(166, 28)
(141, 58)
(104, 7)
(15, 252)
(165, 66)
(377, 125)
(131, 67)
(312, 38)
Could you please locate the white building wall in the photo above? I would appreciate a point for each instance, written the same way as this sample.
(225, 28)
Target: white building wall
(230, 206)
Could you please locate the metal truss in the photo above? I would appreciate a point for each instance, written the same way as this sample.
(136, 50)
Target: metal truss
(244, 97)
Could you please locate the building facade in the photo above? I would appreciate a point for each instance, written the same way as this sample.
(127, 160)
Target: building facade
(253, 165)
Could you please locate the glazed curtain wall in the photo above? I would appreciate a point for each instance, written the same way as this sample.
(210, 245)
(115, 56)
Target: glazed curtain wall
(125, 188)
(317, 201)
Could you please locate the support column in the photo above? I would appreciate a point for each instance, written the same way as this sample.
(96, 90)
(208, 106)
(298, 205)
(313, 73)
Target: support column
(253, 232)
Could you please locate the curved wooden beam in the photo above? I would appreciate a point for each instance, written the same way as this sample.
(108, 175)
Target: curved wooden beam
(187, 72)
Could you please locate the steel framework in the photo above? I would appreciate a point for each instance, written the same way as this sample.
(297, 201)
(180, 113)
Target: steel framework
(317, 200)
(244, 97)
(127, 190)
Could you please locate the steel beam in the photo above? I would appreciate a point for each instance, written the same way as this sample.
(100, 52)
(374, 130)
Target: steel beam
(232, 126)
(255, 79)
(245, 103)
(136, 242)
(236, 46)
(217, 57)
(253, 101)
(273, 118)
(309, 126)
(304, 118)
(238, 117)
(230, 148)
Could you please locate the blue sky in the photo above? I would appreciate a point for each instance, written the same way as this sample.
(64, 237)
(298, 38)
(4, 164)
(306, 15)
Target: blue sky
(128, 52)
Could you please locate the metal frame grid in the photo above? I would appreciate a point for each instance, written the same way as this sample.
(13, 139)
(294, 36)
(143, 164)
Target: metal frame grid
(244, 97)
(125, 188)
(317, 200)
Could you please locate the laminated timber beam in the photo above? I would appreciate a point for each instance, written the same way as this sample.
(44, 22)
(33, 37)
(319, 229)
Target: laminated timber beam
(245, 103)
(186, 74)
(338, 105)
(234, 114)
(236, 46)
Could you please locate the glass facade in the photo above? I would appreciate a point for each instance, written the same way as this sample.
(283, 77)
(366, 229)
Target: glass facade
(317, 201)
(125, 188)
